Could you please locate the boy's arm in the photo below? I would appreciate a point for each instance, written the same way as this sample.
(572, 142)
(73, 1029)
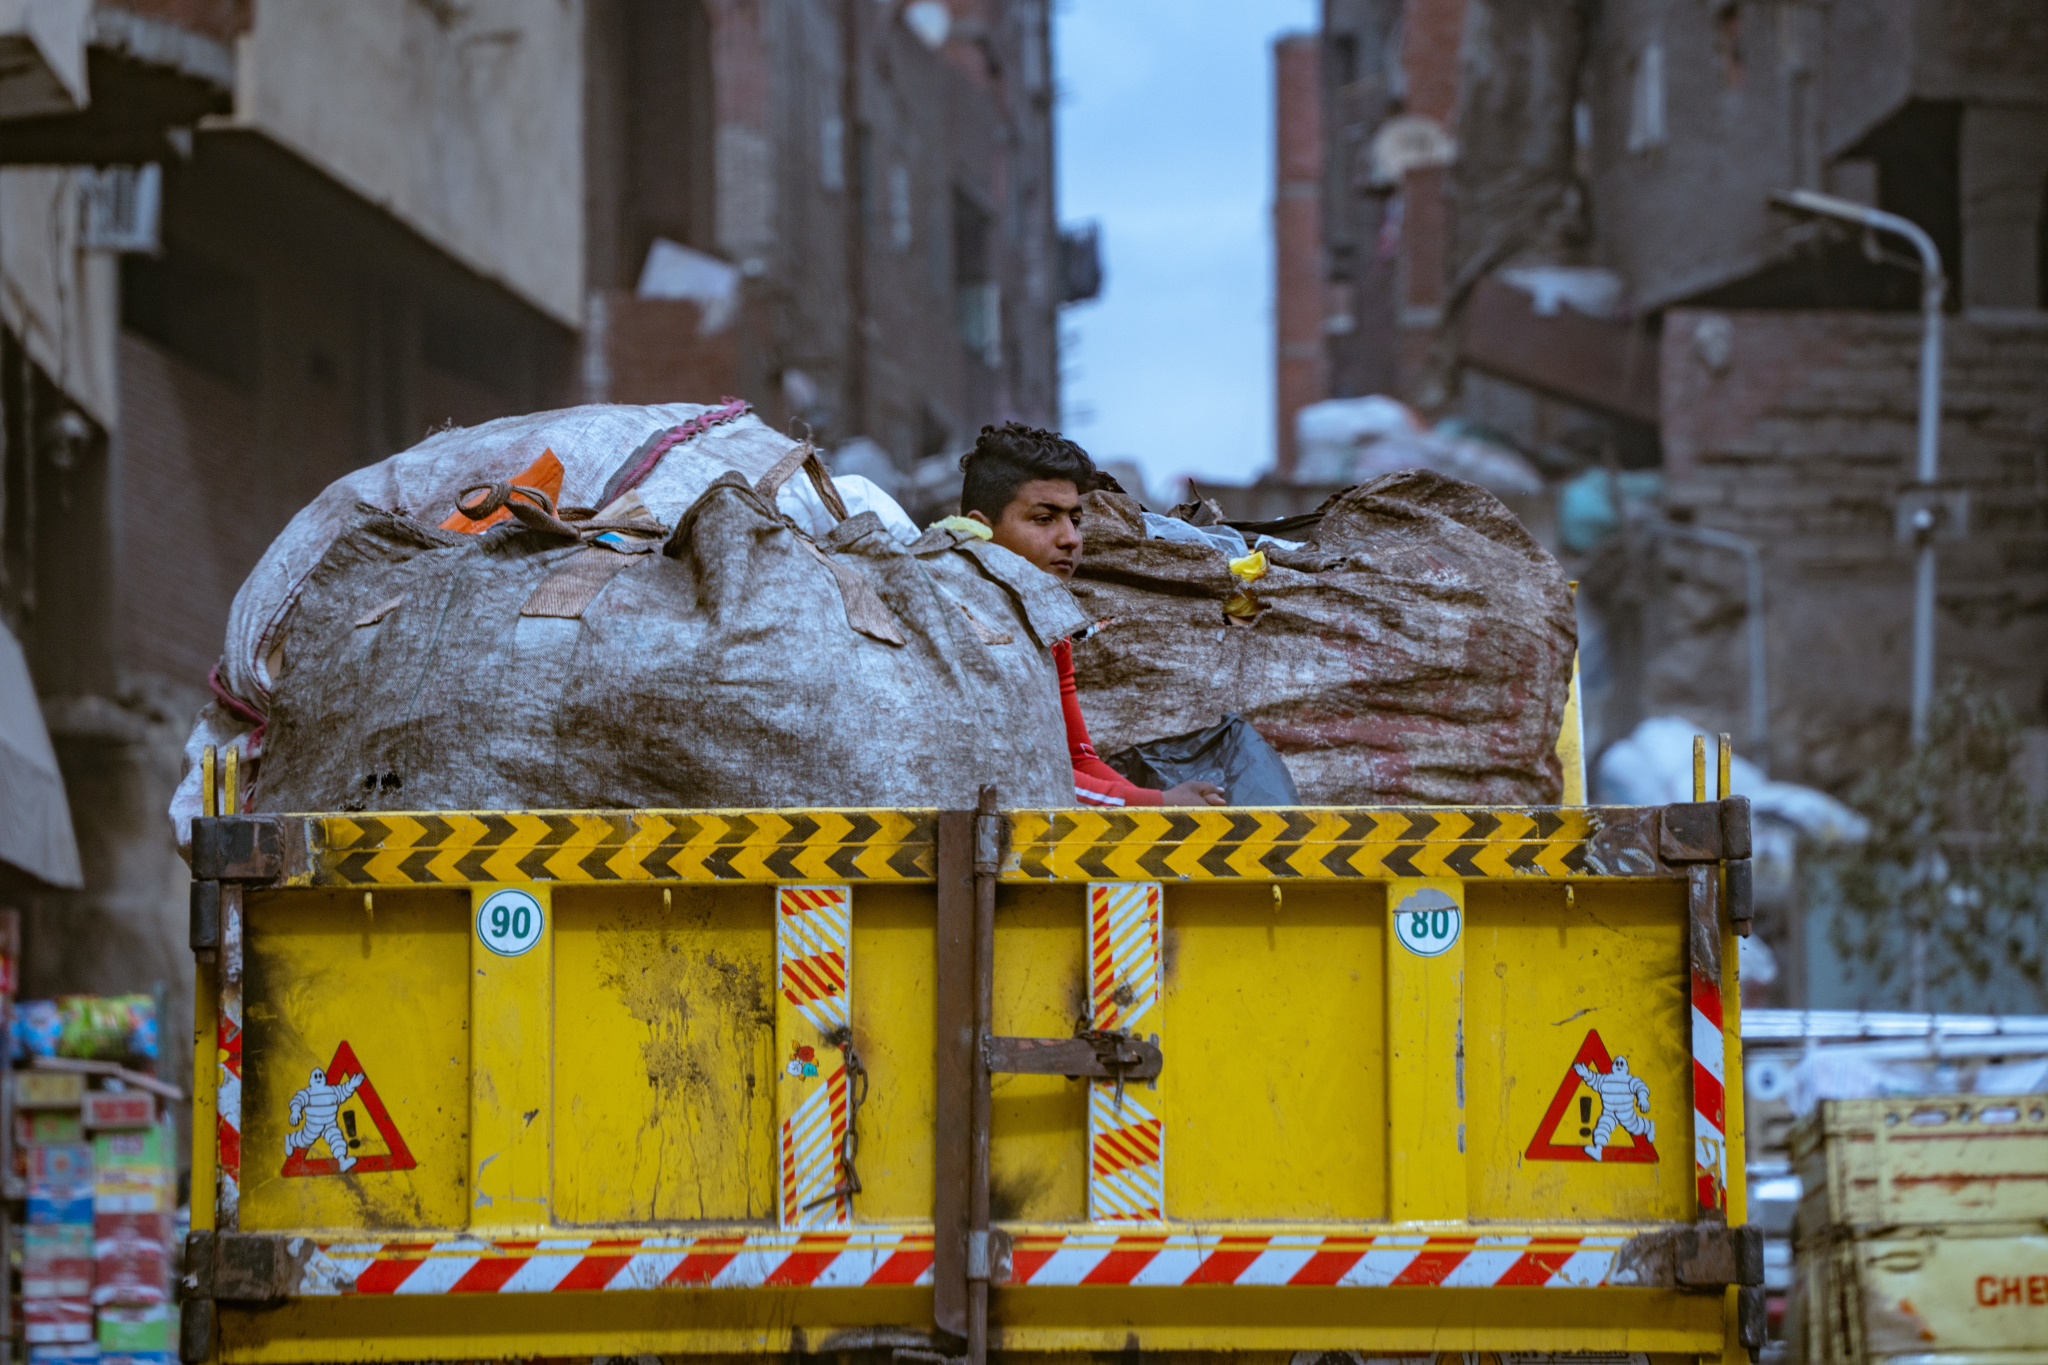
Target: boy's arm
(1095, 782)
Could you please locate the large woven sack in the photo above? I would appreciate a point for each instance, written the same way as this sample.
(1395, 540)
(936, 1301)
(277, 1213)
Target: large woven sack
(1418, 649)
(743, 664)
(674, 449)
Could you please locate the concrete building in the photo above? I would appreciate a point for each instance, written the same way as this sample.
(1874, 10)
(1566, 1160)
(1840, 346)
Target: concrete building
(365, 219)
(1557, 221)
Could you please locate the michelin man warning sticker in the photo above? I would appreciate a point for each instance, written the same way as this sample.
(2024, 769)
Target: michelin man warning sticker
(1601, 1112)
(338, 1109)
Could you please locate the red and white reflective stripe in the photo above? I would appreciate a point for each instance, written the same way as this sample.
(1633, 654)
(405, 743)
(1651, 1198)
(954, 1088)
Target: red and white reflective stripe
(1126, 1139)
(876, 1259)
(228, 1095)
(1127, 1171)
(1709, 1100)
(1372, 1260)
(814, 945)
(812, 1139)
(846, 1260)
(1123, 934)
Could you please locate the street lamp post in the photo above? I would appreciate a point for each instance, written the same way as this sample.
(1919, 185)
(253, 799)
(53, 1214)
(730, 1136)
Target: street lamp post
(1926, 511)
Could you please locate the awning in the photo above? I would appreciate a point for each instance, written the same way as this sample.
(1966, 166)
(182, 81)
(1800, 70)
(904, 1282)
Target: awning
(35, 818)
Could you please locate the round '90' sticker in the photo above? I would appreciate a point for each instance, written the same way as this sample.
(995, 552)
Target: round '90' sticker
(509, 922)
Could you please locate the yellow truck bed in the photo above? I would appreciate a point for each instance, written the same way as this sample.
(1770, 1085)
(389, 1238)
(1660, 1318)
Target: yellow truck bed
(498, 1084)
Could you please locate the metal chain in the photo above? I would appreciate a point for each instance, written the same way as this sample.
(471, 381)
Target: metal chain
(856, 1095)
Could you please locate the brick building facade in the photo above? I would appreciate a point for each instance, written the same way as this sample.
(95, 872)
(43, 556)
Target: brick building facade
(380, 217)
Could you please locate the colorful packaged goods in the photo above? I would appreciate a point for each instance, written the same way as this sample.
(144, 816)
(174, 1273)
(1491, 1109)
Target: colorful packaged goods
(49, 1321)
(60, 1184)
(138, 1331)
(36, 1027)
(106, 1026)
(56, 1261)
(133, 1195)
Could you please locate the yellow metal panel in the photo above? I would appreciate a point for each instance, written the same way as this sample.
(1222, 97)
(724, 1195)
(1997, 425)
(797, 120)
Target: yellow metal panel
(319, 970)
(524, 1326)
(1279, 1109)
(511, 1113)
(1039, 1124)
(1546, 975)
(1369, 1321)
(897, 1034)
(1425, 1049)
(205, 1091)
(1733, 1352)
(664, 1037)
(1378, 1321)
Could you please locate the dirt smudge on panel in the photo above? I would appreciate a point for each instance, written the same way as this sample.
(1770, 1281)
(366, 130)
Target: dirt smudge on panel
(709, 1024)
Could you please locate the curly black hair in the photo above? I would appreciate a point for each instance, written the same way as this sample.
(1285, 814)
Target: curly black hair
(1007, 457)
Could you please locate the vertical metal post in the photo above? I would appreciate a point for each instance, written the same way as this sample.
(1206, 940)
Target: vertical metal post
(988, 850)
(1927, 462)
(1927, 469)
(954, 923)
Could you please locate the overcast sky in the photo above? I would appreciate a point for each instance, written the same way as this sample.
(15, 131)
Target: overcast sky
(1166, 138)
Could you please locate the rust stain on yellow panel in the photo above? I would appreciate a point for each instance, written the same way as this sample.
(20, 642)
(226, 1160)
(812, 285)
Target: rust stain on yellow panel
(205, 1090)
(664, 1082)
(1279, 1106)
(896, 1032)
(1542, 976)
(1039, 1124)
(320, 970)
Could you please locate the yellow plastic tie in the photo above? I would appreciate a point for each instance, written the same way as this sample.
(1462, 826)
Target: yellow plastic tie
(1251, 568)
(964, 525)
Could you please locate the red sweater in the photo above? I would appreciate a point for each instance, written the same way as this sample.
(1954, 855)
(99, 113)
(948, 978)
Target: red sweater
(1095, 782)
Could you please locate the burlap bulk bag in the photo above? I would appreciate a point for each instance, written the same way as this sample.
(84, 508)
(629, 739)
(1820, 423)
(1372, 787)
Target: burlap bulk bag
(1418, 648)
(743, 664)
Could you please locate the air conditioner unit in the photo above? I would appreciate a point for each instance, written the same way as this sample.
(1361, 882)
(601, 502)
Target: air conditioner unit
(118, 208)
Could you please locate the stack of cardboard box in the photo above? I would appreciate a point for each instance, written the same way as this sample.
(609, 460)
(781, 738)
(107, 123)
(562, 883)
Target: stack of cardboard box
(57, 1249)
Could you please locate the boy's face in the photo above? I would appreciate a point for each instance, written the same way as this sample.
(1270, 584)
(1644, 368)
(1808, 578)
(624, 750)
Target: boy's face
(1043, 524)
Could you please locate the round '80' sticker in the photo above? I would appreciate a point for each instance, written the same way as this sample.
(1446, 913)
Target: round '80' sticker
(1427, 921)
(509, 922)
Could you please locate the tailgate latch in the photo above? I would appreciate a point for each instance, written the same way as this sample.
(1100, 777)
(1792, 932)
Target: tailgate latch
(1099, 1054)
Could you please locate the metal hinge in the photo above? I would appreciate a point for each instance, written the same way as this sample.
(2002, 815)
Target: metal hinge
(238, 848)
(1705, 1255)
(1690, 832)
(988, 844)
(988, 1255)
(977, 1255)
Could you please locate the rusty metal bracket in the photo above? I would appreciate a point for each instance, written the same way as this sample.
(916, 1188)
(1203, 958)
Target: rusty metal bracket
(238, 1267)
(1693, 832)
(205, 927)
(1751, 1319)
(1102, 1057)
(1704, 831)
(195, 1331)
(1706, 1255)
(239, 848)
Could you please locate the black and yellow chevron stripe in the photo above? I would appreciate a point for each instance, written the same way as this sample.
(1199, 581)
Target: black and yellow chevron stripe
(622, 846)
(1193, 845)
(456, 848)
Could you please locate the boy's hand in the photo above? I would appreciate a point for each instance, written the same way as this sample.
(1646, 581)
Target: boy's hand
(1195, 794)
